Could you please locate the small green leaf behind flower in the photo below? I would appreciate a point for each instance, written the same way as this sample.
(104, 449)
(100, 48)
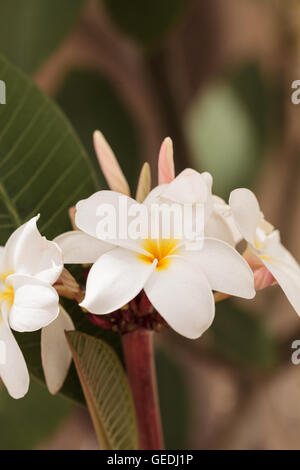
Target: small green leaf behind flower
(106, 391)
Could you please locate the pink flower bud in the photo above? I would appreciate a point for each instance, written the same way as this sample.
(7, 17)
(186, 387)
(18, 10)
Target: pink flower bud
(166, 169)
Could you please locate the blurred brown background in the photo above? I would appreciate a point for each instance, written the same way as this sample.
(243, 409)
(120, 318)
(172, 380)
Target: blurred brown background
(216, 77)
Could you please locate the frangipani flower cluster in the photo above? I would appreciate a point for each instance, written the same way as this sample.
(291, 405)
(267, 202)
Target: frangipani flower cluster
(181, 281)
(178, 282)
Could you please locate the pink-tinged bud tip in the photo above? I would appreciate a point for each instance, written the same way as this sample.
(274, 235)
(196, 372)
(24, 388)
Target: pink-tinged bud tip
(263, 278)
(166, 168)
(109, 165)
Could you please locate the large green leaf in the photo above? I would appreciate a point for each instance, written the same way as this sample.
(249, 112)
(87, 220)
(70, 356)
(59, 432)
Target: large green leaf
(145, 21)
(27, 423)
(30, 343)
(43, 168)
(30, 30)
(106, 390)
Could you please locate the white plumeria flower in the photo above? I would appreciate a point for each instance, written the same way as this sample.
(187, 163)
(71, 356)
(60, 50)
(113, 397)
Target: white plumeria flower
(29, 264)
(264, 244)
(178, 282)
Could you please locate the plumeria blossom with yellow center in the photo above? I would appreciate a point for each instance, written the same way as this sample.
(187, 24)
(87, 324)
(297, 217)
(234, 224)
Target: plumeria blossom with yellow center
(29, 265)
(264, 245)
(177, 281)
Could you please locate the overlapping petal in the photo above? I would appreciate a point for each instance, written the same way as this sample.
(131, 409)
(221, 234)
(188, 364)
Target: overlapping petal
(221, 224)
(183, 297)
(117, 206)
(225, 269)
(115, 279)
(13, 369)
(56, 354)
(27, 252)
(190, 187)
(217, 227)
(246, 212)
(35, 303)
(289, 280)
(79, 247)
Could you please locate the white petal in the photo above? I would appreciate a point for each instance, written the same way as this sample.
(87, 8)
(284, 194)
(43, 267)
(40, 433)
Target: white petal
(217, 227)
(13, 369)
(78, 247)
(190, 187)
(275, 249)
(87, 217)
(225, 269)
(115, 279)
(154, 195)
(183, 298)
(208, 179)
(222, 209)
(35, 303)
(27, 252)
(286, 271)
(56, 354)
(246, 212)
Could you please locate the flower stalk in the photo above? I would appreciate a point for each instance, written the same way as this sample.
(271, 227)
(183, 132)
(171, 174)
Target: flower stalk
(138, 351)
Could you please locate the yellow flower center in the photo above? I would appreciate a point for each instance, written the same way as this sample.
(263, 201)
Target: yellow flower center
(6, 289)
(257, 244)
(161, 250)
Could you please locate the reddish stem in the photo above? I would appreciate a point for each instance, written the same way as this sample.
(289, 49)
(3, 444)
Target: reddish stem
(138, 350)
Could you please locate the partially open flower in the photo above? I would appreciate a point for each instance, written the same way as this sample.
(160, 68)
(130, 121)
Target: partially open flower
(264, 246)
(29, 265)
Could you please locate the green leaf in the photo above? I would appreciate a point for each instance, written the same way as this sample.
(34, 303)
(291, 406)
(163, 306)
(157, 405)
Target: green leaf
(243, 338)
(27, 423)
(31, 30)
(30, 344)
(106, 390)
(98, 106)
(145, 21)
(43, 168)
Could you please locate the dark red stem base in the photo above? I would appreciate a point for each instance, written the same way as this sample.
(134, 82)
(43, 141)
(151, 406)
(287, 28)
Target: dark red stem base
(138, 351)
